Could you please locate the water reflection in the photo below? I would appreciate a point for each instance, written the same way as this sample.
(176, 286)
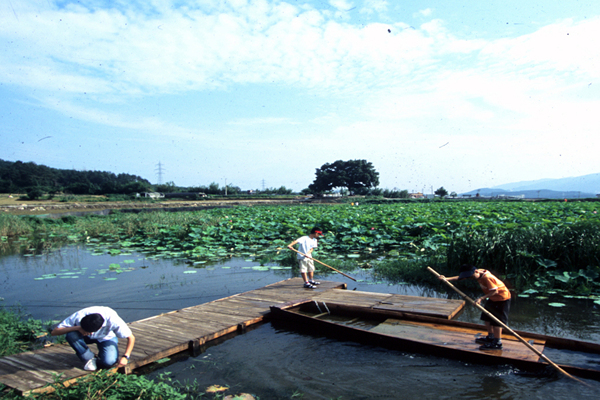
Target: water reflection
(55, 284)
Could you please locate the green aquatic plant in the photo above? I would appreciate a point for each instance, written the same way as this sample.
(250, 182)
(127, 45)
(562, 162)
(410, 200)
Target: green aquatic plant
(19, 332)
(525, 242)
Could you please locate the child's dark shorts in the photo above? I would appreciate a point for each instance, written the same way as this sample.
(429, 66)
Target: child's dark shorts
(498, 309)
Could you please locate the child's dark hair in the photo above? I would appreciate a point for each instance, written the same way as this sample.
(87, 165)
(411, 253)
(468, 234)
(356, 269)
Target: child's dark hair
(315, 230)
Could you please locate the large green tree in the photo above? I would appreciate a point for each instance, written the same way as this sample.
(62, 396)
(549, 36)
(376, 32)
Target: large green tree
(441, 192)
(355, 175)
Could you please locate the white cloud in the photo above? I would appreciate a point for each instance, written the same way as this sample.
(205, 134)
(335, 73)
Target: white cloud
(374, 6)
(110, 50)
(564, 47)
(341, 5)
(425, 13)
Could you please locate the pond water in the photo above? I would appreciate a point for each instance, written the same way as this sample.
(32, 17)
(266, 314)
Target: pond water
(274, 361)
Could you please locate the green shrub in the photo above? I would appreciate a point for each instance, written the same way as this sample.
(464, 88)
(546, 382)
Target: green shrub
(18, 332)
(34, 193)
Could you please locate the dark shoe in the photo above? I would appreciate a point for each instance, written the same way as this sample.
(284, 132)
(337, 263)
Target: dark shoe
(308, 285)
(493, 345)
(484, 339)
(314, 283)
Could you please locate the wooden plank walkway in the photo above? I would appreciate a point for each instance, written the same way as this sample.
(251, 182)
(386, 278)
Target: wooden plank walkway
(190, 328)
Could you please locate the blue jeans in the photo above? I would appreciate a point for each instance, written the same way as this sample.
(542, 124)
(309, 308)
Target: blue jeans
(108, 351)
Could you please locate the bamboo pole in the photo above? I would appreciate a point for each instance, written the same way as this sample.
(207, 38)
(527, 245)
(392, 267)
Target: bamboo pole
(322, 263)
(504, 326)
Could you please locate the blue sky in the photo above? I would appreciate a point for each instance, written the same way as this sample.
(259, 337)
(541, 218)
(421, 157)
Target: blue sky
(463, 94)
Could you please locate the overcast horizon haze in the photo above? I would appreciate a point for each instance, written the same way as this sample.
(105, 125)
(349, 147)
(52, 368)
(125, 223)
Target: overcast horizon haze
(463, 95)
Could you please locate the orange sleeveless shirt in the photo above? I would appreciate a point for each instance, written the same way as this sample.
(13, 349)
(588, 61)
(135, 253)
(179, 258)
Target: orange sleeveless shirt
(489, 282)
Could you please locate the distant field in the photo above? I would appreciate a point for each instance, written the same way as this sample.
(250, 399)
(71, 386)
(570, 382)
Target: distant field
(82, 203)
(15, 199)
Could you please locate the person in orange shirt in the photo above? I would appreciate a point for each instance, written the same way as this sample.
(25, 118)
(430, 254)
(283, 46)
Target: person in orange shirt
(498, 303)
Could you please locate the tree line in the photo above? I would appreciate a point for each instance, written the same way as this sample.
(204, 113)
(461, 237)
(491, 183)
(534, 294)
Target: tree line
(215, 189)
(36, 180)
(30, 178)
(352, 177)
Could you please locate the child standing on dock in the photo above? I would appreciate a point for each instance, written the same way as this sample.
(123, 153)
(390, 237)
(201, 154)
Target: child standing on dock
(305, 262)
(498, 303)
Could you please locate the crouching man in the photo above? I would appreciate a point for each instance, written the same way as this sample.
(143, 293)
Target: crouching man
(99, 325)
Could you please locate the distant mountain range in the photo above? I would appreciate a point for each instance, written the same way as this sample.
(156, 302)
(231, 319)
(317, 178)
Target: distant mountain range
(576, 187)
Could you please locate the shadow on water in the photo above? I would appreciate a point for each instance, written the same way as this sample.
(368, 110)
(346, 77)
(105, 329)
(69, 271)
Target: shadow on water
(276, 362)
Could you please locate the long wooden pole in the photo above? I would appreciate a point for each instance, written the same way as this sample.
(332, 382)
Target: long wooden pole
(322, 263)
(504, 326)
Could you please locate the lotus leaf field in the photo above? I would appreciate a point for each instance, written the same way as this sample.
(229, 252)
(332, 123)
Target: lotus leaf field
(536, 246)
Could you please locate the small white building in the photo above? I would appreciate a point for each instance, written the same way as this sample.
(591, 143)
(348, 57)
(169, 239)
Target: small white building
(152, 195)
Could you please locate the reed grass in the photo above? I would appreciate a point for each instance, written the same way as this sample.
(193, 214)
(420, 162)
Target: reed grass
(126, 224)
(13, 225)
(525, 255)
(411, 269)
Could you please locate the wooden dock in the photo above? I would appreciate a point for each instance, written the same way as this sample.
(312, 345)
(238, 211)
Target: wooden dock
(189, 329)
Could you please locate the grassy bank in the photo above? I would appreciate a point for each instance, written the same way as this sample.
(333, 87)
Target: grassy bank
(19, 332)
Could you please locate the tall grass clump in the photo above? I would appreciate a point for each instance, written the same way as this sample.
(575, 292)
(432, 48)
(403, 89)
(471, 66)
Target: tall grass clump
(412, 269)
(537, 255)
(13, 225)
(146, 224)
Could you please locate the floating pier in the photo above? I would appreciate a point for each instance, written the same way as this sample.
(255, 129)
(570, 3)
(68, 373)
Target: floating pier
(189, 329)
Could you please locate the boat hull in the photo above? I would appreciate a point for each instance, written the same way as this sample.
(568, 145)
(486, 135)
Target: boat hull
(435, 336)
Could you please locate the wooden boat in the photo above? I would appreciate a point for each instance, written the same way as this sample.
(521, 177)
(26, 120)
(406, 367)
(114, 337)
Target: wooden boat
(437, 336)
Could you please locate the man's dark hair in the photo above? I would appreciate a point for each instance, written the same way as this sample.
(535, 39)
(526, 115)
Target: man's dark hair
(315, 230)
(92, 322)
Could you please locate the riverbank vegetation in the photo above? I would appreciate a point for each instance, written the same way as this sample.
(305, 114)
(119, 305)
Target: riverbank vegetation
(534, 246)
(19, 332)
(106, 385)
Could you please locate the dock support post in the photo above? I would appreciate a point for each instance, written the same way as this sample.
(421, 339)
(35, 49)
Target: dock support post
(196, 347)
